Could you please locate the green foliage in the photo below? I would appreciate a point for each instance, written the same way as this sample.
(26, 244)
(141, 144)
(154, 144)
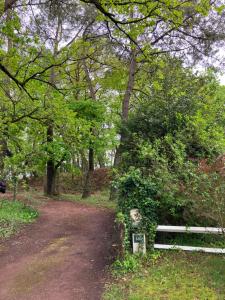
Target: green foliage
(184, 194)
(136, 192)
(47, 83)
(128, 264)
(13, 215)
(170, 129)
(187, 107)
(88, 110)
(164, 167)
(206, 205)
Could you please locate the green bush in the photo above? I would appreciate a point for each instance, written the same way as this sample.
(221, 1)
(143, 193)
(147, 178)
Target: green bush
(165, 138)
(137, 192)
(183, 196)
(206, 205)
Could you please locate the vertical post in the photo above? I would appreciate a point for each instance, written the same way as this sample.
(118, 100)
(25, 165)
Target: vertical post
(138, 238)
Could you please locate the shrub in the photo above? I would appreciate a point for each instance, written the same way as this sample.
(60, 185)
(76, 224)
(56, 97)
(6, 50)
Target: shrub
(206, 200)
(128, 264)
(182, 195)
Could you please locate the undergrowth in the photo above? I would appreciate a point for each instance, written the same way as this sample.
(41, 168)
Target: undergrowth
(13, 215)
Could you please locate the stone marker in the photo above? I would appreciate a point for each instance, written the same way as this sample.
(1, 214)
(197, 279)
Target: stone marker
(138, 239)
(135, 217)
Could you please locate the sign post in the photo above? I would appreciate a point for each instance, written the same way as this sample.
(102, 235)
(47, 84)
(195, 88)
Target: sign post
(139, 243)
(138, 239)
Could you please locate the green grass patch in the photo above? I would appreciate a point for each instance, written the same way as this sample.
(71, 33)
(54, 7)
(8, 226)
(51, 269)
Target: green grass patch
(13, 215)
(172, 276)
(98, 199)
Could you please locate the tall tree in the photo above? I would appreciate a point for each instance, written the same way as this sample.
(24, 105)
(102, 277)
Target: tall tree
(89, 172)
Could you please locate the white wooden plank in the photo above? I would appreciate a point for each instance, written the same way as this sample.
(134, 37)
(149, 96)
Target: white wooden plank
(188, 248)
(214, 230)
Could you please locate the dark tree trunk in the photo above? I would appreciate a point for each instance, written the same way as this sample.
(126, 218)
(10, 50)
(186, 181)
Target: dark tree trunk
(9, 4)
(51, 188)
(88, 178)
(51, 174)
(52, 166)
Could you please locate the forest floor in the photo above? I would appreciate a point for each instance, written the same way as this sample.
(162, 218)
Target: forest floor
(64, 255)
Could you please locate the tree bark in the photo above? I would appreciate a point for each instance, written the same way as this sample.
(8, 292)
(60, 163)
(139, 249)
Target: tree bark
(9, 4)
(130, 85)
(125, 113)
(51, 169)
(126, 104)
(89, 174)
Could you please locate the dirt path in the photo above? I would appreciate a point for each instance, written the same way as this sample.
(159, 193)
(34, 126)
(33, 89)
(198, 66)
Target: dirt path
(63, 256)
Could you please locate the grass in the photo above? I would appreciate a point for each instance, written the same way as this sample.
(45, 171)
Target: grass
(13, 215)
(98, 199)
(173, 276)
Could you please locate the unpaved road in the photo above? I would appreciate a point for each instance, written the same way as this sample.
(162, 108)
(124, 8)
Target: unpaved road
(63, 256)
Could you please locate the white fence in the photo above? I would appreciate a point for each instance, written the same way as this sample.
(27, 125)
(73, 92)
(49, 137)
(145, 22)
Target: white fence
(211, 230)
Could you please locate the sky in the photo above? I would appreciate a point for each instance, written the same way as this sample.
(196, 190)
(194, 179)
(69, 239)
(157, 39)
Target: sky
(222, 79)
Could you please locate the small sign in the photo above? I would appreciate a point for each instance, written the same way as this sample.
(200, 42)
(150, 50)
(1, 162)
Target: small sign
(139, 238)
(139, 243)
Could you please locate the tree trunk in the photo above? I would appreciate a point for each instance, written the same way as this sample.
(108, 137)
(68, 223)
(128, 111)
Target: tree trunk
(130, 85)
(51, 170)
(125, 114)
(9, 4)
(126, 103)
(84, 162)
(89, 174)
(15, 186)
